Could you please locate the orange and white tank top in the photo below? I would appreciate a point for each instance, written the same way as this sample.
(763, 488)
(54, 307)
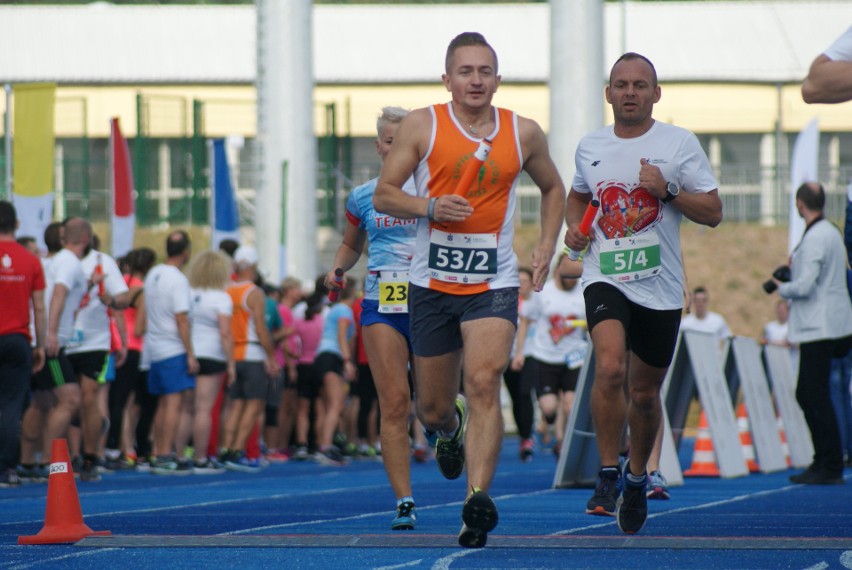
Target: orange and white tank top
(464, 258)
(246, 343)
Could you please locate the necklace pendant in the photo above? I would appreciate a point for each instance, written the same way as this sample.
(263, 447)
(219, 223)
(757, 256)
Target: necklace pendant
(473, 129)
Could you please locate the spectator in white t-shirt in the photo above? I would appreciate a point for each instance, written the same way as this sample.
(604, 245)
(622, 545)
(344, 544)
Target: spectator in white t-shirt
(169, 346)
(210, 310)
(775, 332)
(702, 319)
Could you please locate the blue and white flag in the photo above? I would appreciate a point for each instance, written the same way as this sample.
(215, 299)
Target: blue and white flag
(224, 215)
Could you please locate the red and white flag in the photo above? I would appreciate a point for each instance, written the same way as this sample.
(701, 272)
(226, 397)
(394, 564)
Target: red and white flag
(120, 192)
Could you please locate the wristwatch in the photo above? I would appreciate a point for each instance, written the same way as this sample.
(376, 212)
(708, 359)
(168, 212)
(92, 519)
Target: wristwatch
(672, 191)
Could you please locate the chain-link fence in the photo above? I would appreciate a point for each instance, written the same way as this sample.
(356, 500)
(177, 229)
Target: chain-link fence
(170, 163)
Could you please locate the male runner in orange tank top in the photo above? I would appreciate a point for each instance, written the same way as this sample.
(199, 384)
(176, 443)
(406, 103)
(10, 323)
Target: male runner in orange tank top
(464, 274)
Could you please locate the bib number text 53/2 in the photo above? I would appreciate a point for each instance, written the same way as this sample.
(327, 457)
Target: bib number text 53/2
(463, 258)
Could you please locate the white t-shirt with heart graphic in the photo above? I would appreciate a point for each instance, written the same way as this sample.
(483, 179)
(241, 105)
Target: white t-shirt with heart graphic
(636, 243)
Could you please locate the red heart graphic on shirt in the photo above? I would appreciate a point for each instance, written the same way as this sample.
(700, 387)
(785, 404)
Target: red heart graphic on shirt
(626, 213)
(559, 327)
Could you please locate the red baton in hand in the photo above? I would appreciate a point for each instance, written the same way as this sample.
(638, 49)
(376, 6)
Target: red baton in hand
(471, 169)
(585, 226)
(338, 278)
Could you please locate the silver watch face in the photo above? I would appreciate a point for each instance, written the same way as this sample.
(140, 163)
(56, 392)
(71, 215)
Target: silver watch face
(672, 189)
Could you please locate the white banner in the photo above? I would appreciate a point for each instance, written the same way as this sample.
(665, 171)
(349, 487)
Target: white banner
(803, 168)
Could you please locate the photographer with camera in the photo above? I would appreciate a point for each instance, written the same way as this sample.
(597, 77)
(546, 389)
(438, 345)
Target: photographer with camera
(821, 322)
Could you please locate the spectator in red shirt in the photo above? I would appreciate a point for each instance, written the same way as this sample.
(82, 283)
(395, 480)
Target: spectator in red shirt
(21, 283)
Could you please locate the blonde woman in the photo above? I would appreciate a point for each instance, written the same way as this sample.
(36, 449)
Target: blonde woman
(210, 310)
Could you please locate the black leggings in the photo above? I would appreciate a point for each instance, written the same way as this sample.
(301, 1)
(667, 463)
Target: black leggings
(126, 382)
(520, 389)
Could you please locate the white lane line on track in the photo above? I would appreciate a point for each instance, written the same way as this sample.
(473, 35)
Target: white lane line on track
(403, 565)
(42, 561)
(206, 504)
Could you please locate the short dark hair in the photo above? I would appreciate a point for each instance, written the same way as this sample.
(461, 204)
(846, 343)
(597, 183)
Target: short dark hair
(53, 237)
(812, 195)
(229, 246)
(700, 289)
(25, 240)
(141, 260)
(466, 39)
(8, 217)
(177, 243)
(631, 55)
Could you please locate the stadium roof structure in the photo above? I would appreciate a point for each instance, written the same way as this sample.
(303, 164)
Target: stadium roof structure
(726, 41)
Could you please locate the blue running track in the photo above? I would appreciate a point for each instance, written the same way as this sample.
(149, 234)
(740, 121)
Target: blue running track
(303, 515)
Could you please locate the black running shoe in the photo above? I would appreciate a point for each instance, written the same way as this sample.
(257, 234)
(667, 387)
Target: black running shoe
(606, 494)
(479, 515)
(450, 452)
(632, 507)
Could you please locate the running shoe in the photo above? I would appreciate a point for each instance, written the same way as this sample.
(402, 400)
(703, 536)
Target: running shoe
(479, 515)
(277, 456)
(658, 487)
(207, 467)
(10, 479)
(90, 471)
(420, 454)
(406, 516)
(32, 473)
(239, 462)
(301, 454)
(603, 502)
(349, 450)
(167, 465)
(527, 450)
(143, 464)
(450, 452)
(632, 508)
(330, 456)
(431, 437)
(121, 463)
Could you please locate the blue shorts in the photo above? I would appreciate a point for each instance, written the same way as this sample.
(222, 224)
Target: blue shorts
(370, 315)
(170, 376)
(436, 317)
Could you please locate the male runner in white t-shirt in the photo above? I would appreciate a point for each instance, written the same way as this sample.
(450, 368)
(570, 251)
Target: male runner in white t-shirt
(647, 176)
(89, 353)
(67, 283)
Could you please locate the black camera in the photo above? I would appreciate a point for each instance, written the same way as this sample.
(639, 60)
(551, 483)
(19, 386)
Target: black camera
(782, 274)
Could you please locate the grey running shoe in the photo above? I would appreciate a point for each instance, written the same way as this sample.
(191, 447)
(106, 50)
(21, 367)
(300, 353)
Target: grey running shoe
(450, 452)
(9, 479)
(658, 487)
(480, 517)
(207, 467)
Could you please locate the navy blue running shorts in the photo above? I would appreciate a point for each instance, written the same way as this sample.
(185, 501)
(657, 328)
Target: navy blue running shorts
(436, 317)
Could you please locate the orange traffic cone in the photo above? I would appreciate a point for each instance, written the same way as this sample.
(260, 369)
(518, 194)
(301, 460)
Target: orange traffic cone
(703, 458)
(745, 439)
(784, 445)
(63, 519)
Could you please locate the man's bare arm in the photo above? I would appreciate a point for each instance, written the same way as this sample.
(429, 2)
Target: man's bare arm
(828, 81)
(539, 165)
